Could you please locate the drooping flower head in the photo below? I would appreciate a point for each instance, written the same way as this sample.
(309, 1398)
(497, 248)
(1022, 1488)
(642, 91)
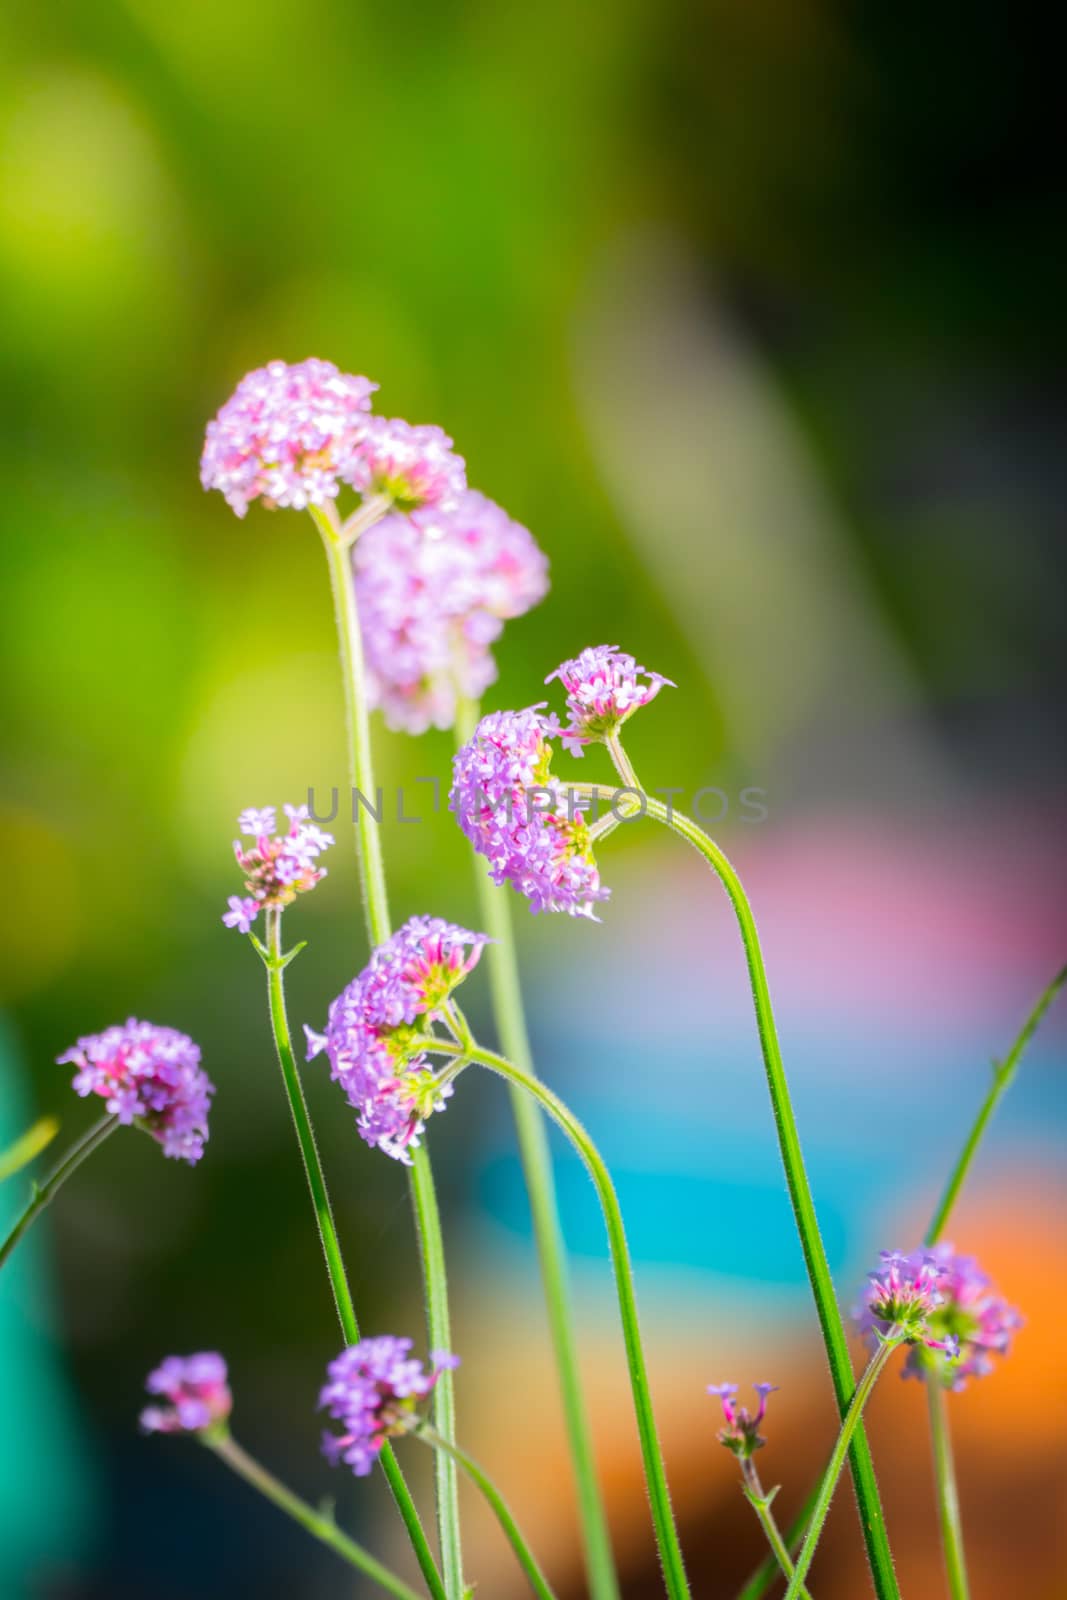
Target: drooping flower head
(196, 1393)
(903, 1295)
(286, 435)
(148, 1075)
(277, 867)
(414, 465)
(972, 1314)
(373, 1024)
(373, 1391)
(604, 689)
(740, 1432)
(434, 590)
(520, 818)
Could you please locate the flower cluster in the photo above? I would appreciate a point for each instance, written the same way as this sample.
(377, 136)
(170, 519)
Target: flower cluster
(972, 1315)
(373, 1391)
(902, 1297)
(521, 818)
(433, 591)
(374, 1026)
(276, 868)
(196, 1392)
(149, 1075)
(603, 690)
(286, 435)
(414, 465)
(740, 1432)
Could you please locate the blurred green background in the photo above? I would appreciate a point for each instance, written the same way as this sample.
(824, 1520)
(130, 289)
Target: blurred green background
(752, 313)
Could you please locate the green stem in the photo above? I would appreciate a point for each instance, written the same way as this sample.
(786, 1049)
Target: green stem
(948, 1504)
(651, 1452)
(275, 962)
(497, 1504)
(510, 1019)
(837, 1461)
(818, 1268)
(337, 543)
(320, 1527)
(1003, 1075)
(41, 1195)
(761, 1505)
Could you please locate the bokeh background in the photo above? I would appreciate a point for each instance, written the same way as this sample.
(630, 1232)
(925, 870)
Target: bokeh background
(753, 313)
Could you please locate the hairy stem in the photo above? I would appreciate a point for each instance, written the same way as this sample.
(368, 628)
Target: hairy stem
(761, 1505)
(837, 1461)
(510, 1019)
(948, 1504)
(275, 962)
(320, 1527)
(337, 543)
(497, 1504)
(41, 1195)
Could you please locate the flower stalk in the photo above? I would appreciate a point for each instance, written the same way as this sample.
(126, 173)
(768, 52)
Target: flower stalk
(510, 1020)
(761, 1503)
(41, 1195)
(948, 1502)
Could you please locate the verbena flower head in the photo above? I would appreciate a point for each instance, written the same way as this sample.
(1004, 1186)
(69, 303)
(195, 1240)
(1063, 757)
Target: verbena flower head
(604, 689)
(971, 1314)
(520, 818)
(195, 1392)
(373, 1391)
(903, 1295)
(277, 866)
(285, 435)
(434, 590)
(740, 1432)
(414, 465)
(148, 1075)
(372, 1026)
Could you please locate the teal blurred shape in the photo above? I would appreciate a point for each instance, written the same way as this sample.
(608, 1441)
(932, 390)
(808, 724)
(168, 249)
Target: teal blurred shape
(48, 1504)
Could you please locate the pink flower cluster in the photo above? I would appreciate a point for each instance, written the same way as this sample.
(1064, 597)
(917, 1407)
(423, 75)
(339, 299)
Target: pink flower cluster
(434, 590)
(604, 689)
(520, 818)
(740, 1432)
(196, 1391)
(149, 1075)
(286, 435)
(971, 1313)
(373, 1391)
(277, 868)
(373, 1025)
(902, 1297)
(290, 435)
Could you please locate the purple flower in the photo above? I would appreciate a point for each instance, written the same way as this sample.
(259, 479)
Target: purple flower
(741, 1430)
(374, 1390)
(971, 1314)
(520, 818)
(434, 590)
(196, 1392)
(414, 466)
(902, 1297)
(276, 869)
(603, 691)
(373, 1025)
(284, 435)
(150, 1075)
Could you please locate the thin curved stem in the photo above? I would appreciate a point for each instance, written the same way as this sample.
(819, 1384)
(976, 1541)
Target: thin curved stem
(1003, 1076)
(764, 1575)
(41, 1195)
(761, 1504)
(837, 1461)
(510, 1019)
(948, 1504)
(497, 1504)
(652, 1455)
(320, 1527)
(337, 543)
(275, 962)
(818, 1268)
